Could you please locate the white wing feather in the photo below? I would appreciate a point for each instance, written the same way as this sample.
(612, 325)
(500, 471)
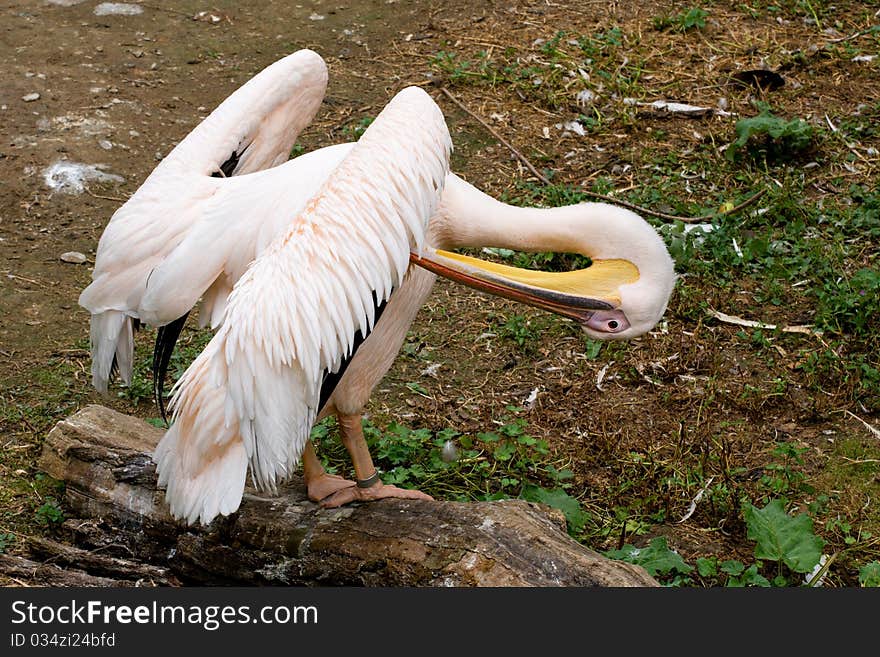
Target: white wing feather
(259, 122)
(250, 397)
(234, 225)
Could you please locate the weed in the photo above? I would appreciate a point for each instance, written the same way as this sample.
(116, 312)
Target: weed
(521, 330)
(356, 131)
(141, 387)
(692, 18)
(558, 498)
(6, 539)
(786, 477)
(601, 43)
(786, 542)
(657, 558)
(192, 341)
(550, 48)
(850, 305)
(50, 512)
(739, 576)
(418, 388)
(869, 574)
(592, 348)
(542, 76)
(772, 137)
(500, 464)
(864, 220)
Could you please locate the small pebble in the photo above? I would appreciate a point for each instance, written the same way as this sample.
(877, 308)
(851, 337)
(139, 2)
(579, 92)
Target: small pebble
(117, 9)
(29, 98)
(74, 257)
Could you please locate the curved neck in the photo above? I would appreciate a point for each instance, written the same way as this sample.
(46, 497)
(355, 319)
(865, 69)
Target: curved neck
(469, 218)
(605, 233)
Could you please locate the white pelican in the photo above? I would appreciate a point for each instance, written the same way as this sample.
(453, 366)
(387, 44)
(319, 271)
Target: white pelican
(251, 397)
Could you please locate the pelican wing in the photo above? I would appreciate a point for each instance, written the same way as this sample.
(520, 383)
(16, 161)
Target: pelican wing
(251, 396)
(234, 226)
(254, 128)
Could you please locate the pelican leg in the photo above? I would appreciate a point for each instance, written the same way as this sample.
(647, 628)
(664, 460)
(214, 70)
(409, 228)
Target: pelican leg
(319, 483)
(369, 486)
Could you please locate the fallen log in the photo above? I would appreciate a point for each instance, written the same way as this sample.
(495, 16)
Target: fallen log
(23, 571)
(104, 459)
(123, 571)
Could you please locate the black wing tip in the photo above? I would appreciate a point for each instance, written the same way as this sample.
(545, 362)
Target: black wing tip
(227, 169)
(331, 379)
(166, 340)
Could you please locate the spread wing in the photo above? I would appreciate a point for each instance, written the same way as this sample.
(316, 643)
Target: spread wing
(251, 397)
(253, 129)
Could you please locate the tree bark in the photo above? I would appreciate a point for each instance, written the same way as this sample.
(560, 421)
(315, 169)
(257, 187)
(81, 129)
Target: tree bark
(104, 459)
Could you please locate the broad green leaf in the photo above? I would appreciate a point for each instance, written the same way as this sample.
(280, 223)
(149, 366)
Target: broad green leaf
(559, 499)
(504, 451)
(750, 577)
(781, 537)
(732, 567)
(657, 558)
(707, 567)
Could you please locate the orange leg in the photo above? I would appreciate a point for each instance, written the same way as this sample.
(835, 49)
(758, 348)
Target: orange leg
(368, 485)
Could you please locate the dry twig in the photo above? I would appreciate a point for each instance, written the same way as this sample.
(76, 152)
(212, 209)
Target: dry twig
(739, 321)
(671, 217)
(522, 158)
(106, 198)
(874, 430)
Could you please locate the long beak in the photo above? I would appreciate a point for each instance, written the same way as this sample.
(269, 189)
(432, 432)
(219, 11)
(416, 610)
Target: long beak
(574, 294)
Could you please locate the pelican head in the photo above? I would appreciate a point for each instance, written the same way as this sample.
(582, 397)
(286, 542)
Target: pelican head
(621, 295)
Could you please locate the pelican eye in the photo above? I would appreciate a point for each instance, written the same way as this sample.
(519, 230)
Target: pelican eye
(608, 321)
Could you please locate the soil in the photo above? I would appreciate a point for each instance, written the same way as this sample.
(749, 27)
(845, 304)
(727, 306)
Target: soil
(119, 91)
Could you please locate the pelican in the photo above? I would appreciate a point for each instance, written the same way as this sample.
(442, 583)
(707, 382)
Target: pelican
(301, 268)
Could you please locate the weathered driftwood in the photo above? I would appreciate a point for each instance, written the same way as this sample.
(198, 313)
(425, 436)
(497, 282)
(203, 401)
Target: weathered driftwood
(103, 456)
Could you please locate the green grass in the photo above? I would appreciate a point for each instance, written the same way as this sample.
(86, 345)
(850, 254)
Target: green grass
(412, 457)
(491, 465)
(594, 62)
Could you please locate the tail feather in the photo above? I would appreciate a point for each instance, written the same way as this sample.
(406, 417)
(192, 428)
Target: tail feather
(112, 340)
(125, 351)
(201, 459)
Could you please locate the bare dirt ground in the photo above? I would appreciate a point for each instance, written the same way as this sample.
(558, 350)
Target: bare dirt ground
(643, 426)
